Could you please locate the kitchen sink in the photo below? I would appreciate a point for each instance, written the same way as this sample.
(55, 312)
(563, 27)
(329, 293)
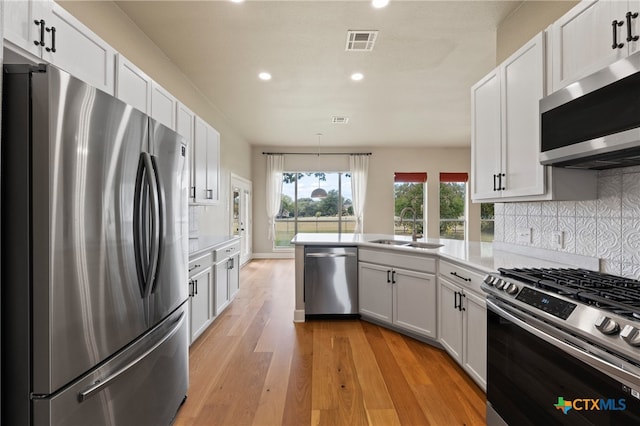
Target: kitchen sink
(418, 244)
(402, 243)
(391, 242)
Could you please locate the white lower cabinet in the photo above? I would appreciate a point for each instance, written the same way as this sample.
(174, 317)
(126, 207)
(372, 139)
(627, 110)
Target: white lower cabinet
(462, 319)
(200, 295)
(398, 290)
(227, 274)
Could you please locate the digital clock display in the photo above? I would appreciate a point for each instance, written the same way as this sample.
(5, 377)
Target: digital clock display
(549, 304)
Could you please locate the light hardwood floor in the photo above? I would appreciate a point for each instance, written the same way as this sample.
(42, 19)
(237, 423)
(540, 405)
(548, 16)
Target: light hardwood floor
(255, 366)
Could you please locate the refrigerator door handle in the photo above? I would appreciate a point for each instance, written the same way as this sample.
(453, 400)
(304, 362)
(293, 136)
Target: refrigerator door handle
(154, 238)
(159, 216)
(139, 226)
(99, 385)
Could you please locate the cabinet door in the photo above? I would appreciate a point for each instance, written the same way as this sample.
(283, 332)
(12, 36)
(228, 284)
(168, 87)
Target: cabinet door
(163, 106)
(475, 338)
(79, 51)
(522, 87)
(200, 306)
(133, 86)
(234, 275)
(222, 285)
(414, 306)
(213, 165)
(450, 319)
(485, 137)
(19, 25)
(583, 39)
(185, 126)
(200, 161)
(375, 292)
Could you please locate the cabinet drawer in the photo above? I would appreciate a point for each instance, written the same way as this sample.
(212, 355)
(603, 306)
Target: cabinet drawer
(227, 251)
(399, 260)
(467, 278)
(198, 264)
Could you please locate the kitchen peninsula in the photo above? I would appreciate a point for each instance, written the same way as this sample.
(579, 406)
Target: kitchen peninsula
(431, 294)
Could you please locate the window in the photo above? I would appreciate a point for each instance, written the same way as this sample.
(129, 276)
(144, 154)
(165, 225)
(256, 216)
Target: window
(301, 213)
(486, 222)
(409, 203)
(453, 205)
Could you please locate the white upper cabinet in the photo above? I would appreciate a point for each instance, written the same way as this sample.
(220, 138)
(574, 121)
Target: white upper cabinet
(80, 52)
(24, 24)
(185, 126)
(486, 140)
(505, 135)
(505, 126)
(133, 86)
(47, 31)
(207, 163)
(591, 36)
(163, 106)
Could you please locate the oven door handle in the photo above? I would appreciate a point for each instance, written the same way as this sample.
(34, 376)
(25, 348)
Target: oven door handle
(591, 359)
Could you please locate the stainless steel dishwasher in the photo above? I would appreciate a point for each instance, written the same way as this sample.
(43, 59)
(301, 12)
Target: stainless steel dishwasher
(330, 281)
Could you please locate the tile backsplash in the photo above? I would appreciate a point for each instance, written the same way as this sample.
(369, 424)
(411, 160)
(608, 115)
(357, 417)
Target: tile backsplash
(607, 228)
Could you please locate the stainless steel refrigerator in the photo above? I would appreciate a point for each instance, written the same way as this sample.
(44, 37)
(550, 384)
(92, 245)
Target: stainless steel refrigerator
(94, 257)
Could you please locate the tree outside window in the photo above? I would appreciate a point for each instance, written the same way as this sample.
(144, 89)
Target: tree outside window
(300, 213)
(409, 201)
(453, 199)
(486, 222)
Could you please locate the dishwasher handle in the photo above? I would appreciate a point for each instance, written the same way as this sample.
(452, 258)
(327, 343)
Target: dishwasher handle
(330, 255)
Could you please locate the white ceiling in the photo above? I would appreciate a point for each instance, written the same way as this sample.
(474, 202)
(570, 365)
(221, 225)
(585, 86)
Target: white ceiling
(415, 90)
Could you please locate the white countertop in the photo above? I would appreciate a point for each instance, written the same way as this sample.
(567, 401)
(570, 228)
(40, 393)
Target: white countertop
(205, 243)
(487, 257)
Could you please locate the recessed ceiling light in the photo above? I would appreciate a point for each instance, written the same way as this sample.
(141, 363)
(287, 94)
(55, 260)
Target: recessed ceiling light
(379, 3)
(237, 1)
(357, 76)
(264, 76)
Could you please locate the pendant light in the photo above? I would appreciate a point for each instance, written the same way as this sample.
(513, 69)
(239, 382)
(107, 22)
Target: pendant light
(319, 192)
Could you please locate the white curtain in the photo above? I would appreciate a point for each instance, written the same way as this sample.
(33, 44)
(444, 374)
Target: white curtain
(275, 167)
(359, 165)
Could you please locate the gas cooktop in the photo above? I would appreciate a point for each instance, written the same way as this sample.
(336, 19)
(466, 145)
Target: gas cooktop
(604, 291)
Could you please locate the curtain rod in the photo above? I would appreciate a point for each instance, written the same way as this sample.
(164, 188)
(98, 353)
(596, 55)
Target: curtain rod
(316, 153)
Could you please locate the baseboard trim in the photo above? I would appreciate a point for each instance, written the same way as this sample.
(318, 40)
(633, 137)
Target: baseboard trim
(298, 315)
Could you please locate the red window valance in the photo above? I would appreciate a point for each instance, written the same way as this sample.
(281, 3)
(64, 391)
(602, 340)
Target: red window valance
(454, 177)
(415, 177)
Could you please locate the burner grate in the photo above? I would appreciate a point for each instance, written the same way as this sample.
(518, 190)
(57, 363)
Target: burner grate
(605, 291)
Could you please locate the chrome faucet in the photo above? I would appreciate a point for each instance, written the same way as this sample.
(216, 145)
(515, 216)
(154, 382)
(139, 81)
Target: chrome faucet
(414, 234)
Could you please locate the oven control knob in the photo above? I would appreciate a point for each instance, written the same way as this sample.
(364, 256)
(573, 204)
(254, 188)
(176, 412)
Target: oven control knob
(511, 288)
(606, 325)
(631, 335)
(500, 284)
(489, 280)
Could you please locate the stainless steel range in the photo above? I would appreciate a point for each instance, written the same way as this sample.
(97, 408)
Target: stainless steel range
(563, 347)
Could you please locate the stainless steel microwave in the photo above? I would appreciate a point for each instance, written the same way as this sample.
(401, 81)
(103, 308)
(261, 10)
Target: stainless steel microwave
(594, 123)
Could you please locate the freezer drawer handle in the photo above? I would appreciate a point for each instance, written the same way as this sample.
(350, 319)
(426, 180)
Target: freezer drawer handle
(99, 385)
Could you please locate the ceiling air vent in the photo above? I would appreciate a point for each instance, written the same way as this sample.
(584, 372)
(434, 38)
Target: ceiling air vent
(339, 120)
(360, 41)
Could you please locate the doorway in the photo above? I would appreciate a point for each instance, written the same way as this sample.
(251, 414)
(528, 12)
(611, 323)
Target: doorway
(241, 219)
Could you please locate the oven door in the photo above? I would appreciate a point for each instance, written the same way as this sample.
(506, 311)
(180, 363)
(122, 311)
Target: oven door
(537, 374)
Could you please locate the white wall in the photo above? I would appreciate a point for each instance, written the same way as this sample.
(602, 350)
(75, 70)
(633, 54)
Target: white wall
(608, 227)
(378, 214)
(107, 20)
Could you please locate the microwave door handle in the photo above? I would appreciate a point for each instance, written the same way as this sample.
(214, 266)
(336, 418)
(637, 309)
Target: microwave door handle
(589, 358)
